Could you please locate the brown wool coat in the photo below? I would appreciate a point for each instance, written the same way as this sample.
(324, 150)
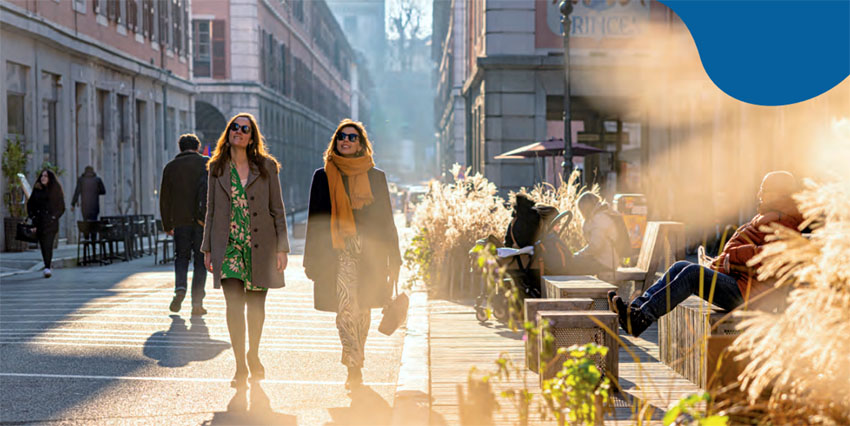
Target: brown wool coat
(268, 224)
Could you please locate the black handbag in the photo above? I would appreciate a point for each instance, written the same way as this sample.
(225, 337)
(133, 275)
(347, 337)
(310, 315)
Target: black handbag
(26, 232)
(395, 312)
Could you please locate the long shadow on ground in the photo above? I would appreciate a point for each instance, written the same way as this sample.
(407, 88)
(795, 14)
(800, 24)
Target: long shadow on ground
(178, 346)
(251, 407)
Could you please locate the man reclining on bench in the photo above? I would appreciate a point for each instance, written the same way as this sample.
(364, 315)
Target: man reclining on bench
(736, 282)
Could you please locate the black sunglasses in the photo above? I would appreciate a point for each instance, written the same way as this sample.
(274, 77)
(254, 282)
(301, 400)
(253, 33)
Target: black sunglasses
(351, 136)
(236, 127)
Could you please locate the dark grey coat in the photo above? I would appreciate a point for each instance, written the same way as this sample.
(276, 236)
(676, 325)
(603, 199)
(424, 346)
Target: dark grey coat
(268, 224)
(178, 193)
(88, 191)
(379, 244)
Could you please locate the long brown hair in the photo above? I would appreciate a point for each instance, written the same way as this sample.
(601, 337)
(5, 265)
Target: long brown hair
(256, 149)
(366, 146)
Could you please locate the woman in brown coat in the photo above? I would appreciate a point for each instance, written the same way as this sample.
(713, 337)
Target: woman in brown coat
(244, 206)
(351, 252)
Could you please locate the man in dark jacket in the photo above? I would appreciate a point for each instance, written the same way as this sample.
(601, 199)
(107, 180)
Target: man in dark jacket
(89, 188)
(178, 206)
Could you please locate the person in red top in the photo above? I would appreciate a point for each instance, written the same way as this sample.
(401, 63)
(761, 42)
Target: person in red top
(735, 282)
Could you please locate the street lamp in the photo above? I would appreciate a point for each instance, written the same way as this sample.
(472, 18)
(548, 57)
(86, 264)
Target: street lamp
(567, 8)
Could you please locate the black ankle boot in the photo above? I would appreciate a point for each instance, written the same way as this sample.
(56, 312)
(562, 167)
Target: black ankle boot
(616, 303)
(631, 319)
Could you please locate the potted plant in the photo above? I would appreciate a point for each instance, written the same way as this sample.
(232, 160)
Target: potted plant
(15, 158)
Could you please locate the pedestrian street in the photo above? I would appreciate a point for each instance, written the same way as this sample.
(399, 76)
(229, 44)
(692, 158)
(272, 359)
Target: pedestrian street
(98, 345)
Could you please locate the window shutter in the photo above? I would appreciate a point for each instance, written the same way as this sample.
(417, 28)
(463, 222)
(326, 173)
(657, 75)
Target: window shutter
(131, 15)
(218, 59)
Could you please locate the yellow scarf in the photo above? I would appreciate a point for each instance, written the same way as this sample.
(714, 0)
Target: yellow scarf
(342, 217)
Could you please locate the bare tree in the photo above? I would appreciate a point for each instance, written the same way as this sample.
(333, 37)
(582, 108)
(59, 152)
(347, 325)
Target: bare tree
(406, 28)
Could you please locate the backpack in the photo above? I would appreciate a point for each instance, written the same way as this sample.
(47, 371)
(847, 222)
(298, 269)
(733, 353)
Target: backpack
(552, 250)
(623, 243)
(201, 199)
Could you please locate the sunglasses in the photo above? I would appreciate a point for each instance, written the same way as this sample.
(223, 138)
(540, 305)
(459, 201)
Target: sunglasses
(351, 136)
(236, 127)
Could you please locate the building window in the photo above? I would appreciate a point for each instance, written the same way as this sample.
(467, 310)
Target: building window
(147, 18)
(208, 48)
(283, 69)
(202, 59)
(112, 10)
(15, 114)
(132, 16)
(176, 27)
(186, 23)
(298, 9)
(162, 22)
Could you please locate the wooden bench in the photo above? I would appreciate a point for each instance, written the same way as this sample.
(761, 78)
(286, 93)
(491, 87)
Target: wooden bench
(532, 306)
(692, 340)
(578, 328)
(577, 286)
(663, 244)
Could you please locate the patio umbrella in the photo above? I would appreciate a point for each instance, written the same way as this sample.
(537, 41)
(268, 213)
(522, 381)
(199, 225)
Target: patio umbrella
(549, 148)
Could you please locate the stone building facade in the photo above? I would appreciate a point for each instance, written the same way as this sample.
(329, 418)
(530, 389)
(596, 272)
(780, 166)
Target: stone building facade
(102, 83)
(286, 62)
(448, 51)
(637, 91)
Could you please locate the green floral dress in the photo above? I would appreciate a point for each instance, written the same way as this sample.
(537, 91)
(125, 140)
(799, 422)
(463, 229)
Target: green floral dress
(237, 255)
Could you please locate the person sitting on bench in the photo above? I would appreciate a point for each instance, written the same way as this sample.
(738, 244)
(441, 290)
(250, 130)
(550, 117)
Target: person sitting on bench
(600, 231)
(735, 282)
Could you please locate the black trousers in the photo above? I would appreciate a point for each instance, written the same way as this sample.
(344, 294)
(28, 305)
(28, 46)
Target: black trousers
(187, 245)
(45, 242)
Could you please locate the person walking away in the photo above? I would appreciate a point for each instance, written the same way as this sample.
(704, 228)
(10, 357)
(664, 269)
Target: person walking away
(245, 240)
(88, 191)
(351, 250)
(735, 282)
(178, 206)
(44, 207)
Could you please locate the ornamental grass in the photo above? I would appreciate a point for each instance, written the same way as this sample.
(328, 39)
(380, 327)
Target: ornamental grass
(453, 216)
(798, 369)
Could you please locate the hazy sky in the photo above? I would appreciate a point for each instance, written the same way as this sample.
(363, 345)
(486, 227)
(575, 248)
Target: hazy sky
(392, 7)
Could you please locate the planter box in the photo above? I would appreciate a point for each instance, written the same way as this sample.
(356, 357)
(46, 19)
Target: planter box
(691, 341)
(577, 328)
(532, 306)
(578, 286)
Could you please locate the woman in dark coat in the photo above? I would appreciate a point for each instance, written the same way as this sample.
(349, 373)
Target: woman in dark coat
(351, 252)
(45, 206)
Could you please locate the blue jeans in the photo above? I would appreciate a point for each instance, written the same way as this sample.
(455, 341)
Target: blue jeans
(187, 245)
(680, 282)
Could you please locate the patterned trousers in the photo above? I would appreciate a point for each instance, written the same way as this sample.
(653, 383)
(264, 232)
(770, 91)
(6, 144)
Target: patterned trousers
(352, 322)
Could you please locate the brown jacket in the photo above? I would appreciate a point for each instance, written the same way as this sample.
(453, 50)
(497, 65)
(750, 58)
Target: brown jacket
(268, 224)
(748, 241)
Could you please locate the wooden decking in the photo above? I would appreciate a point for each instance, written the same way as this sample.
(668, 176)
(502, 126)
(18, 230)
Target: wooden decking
(459, 342)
